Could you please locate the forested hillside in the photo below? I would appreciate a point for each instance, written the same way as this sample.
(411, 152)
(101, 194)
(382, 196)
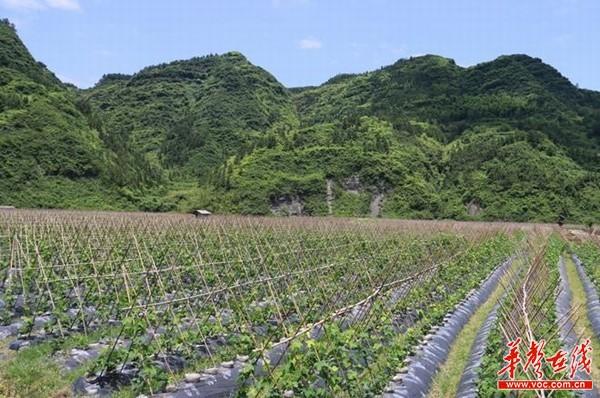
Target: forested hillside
(195, 113)
(422, 138)
(508, 139)
(47, 149)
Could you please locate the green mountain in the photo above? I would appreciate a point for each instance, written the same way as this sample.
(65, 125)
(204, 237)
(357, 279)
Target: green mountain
(425, 138)
(52, 146)
(518, 91)
(422, 138)
(194, 114)
(46, 145)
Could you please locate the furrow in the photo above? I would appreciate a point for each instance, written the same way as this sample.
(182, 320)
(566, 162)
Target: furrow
(467, 387)
(592, 300)
(567, 330)
(417, 379)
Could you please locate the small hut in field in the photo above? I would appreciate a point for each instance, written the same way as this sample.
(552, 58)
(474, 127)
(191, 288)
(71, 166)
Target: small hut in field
(201, 213)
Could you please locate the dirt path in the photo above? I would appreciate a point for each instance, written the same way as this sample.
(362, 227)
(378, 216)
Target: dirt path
(416, 381)
(458, 373)
(582, 325)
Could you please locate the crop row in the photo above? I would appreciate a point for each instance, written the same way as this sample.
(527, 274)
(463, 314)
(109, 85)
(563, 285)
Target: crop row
(165, 295)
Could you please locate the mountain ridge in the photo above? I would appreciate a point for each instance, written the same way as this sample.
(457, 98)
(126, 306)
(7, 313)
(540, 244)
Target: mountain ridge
(423, 137)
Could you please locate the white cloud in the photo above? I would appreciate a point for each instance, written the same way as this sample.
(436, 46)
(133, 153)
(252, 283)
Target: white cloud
(310, 43)
(69, 5)
(22, 4)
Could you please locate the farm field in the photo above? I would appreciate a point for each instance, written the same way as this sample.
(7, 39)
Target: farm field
(130, 304)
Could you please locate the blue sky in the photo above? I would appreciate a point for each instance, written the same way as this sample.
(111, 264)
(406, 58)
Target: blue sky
(305, 42)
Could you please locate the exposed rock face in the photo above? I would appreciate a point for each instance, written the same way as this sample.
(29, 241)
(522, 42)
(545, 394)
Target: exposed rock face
(329, 197)
(352, 184)
(474, 208)
(287, 206)
(376, 204)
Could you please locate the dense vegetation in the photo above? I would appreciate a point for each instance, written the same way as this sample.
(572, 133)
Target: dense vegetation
(422, 138)
(153, 300)
(53, 151)
(193, 113)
